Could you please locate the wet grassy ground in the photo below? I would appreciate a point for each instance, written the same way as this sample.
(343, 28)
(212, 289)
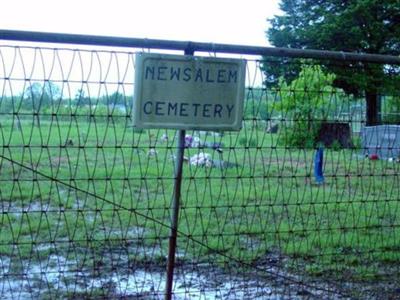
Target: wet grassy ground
(73, 193)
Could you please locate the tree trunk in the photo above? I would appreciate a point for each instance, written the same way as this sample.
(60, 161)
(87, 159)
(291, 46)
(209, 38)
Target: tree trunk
(373, 108)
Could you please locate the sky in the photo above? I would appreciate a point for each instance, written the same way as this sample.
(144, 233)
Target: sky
(214, 21)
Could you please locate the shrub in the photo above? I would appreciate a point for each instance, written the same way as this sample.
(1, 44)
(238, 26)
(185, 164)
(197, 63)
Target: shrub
(304, 101)
(245, 142)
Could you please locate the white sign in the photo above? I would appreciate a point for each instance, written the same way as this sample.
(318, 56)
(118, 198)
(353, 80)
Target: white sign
(188, 92)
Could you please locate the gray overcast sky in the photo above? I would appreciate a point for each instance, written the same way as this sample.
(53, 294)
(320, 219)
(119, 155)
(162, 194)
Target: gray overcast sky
(217, 21)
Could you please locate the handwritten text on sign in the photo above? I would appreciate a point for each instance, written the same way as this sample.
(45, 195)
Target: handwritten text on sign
(186, 92)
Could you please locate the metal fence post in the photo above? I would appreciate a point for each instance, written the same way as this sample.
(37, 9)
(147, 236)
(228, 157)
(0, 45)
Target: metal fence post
(175, 207)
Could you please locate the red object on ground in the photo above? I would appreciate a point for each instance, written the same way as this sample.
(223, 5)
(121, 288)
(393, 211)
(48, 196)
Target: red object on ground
(374, 156)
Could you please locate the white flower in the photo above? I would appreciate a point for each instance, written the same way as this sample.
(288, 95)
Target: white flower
(192, 141)
(152, 152)
(164, 138)
(201, 159)
(195, 142)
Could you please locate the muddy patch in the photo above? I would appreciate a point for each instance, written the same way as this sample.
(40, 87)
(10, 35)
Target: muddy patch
(18, 208)
(59, 277)
(121, 277)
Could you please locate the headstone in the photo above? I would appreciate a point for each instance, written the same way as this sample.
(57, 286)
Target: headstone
(273, 128)
(382, 140)
(17, 124)
(338, 132)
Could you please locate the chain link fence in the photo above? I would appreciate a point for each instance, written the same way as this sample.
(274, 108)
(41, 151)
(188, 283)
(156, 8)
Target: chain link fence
(298, 204)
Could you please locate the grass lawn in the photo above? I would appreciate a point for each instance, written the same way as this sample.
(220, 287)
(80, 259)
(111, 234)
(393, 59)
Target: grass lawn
(75, 188)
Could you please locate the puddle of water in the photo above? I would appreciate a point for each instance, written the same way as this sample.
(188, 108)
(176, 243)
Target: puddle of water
(30, 279)
(34, 206)
(58, 273)
(190, 285)
(4, 265)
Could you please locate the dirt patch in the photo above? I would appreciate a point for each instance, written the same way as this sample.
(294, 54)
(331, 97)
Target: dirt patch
(59, 277)
(328, 284)
(117, 277)
(29, 207)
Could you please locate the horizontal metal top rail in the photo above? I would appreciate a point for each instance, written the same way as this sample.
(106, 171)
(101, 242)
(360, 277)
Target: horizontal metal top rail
(63, 38)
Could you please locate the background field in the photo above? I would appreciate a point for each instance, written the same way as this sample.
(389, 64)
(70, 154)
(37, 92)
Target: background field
(81, 188)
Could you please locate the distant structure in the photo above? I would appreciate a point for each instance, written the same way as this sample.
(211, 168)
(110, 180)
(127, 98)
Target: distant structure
(382, 140)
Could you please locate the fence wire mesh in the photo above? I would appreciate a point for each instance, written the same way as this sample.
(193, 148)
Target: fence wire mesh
(303, 202)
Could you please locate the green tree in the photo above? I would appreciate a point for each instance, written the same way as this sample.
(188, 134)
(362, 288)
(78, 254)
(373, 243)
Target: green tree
(304, 101)
(117, 98)
(256, 104)
(368, 26)
(391, 106)
(41, 95)
(81, 99)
